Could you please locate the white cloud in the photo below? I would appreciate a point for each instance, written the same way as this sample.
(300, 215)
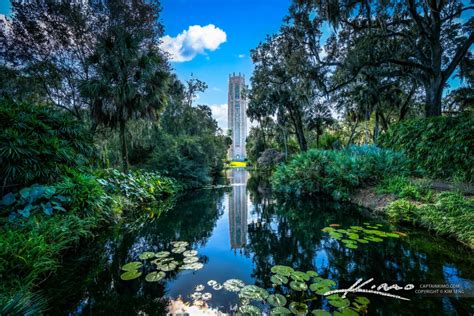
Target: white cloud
(219, 112)
(193, 41)
(241, 56)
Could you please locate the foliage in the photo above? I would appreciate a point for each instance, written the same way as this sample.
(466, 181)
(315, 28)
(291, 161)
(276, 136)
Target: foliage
(450, 214)
(29, 251)
(441, 147)
(23, 304)
(129, 82)
(32, 199)
(85, 196)
(406, 188)
(270, 158)
(335, 172)
(38, 144)
(138, 186)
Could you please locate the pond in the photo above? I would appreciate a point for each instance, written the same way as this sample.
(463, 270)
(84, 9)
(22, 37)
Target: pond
(240, 231)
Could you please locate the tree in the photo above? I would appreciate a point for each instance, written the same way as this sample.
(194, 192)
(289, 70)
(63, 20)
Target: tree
(129, 81)
(424, 39)
(280, 85)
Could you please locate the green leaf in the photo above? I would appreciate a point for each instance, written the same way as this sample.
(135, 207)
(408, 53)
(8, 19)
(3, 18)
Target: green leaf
(276, 300)
(320, 312)
(130, 275)
(155, 276)
(298, 308)
(146, 255)
(135, 265)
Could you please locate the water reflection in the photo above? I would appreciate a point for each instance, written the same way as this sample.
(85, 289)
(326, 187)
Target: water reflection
(238, 208)
(241, 232)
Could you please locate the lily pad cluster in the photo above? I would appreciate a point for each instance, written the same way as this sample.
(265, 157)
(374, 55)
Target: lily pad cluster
(354, 235)
(294, 293)
(179, 257)
(297, 293)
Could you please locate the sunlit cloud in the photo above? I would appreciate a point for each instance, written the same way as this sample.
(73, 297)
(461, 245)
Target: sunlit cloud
(193, 41)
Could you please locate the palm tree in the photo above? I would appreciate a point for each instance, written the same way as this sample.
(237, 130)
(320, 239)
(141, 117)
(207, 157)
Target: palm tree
(129, 81)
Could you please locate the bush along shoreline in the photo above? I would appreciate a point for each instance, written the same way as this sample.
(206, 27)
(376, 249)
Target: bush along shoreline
(384, 179)
(40, 222)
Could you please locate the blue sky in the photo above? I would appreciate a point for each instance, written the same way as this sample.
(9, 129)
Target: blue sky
(244, 22)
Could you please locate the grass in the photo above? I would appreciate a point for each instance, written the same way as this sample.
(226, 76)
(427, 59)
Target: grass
(447, 213)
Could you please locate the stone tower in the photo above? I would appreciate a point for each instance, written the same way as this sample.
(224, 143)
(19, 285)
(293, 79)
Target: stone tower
(237, 116)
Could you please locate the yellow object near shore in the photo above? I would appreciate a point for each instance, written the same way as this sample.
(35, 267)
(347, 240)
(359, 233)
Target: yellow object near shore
(238, 164)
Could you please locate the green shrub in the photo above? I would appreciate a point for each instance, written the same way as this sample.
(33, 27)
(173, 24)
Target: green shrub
(441, 146)
(406, 188)
(32, 199)
(30, 250)
(138, 186)
(401, 210)
(336, 172)
(450, 214)
(85, 196)
(37, 144)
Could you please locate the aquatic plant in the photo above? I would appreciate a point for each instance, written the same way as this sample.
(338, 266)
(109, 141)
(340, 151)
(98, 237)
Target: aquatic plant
(354, 235)
(164, 261)
(297, 298)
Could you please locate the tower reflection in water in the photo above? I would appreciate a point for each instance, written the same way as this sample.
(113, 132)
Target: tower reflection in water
(238, 209)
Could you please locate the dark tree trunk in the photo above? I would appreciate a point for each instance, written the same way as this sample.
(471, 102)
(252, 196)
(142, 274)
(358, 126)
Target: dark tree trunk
(123, 144)
(434, 90)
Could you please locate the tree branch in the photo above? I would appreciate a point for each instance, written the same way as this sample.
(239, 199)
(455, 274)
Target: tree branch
(460, 53)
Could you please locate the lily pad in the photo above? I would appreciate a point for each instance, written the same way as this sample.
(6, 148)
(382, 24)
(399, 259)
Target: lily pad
(338, 301)
(335, 235)
(253, 292)
(162, 254)
(279, 279)
(206, 296)
(168, 266)
(233, 285)
(192, 266)
(178, 250)
(180, 244)
(155, 276)
(130, 275)
(132, 266)
(276, 300)
(211, 282)
(328, 229)
(250, 310)
(362, 300)
(357, 227)
(190, 259)
(282, 270)
(217, 287)
(319, 288)
(362, 241)
(199, 287)
(312, 274)
(299, 276)
(190, 253)
(196, 295)
(280, 310)
(320, 312)
(298, 308)
(298, 285)
(146, 255)
(351, 246)
(393, 235)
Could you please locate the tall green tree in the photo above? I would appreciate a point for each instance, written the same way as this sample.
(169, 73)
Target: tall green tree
(426, 40)
(129, 81)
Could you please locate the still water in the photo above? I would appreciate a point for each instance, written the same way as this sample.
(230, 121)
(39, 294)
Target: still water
(240, 231)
